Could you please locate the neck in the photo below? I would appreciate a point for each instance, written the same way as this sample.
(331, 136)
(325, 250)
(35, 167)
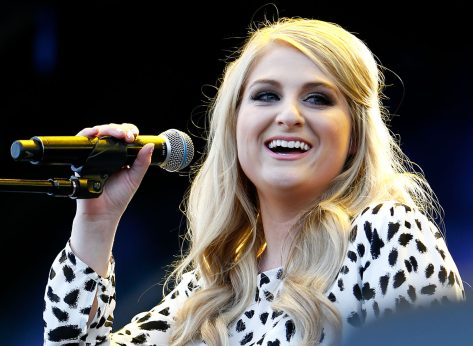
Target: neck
(279, 219)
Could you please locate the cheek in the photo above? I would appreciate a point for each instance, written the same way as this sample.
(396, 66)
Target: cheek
(245, 127)
(336, 134)
(339, 129)
(248, 132)
(342, 135)
(241, 138)
(239, 133)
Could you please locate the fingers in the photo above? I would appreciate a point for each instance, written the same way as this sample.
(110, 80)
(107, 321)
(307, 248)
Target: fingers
(125, 131)
(88, 132)
(141, 163)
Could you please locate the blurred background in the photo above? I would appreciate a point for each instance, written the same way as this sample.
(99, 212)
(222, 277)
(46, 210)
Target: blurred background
(65, 67)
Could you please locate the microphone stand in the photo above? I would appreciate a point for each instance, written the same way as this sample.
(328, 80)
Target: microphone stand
(88, 182)
(74, 187)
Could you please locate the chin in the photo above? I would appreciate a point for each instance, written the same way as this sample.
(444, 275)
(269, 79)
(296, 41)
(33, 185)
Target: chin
(285, 183)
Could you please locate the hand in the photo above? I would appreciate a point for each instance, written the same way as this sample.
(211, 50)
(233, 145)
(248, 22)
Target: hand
(121, 186)
(96, 219)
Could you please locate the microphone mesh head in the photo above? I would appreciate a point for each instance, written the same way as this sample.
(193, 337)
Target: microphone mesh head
(180, 150)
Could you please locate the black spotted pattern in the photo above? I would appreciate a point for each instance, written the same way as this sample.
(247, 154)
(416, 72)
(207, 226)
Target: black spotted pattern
(396, 260)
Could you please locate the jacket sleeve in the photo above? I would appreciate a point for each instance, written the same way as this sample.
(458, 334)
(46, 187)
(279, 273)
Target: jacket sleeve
(71, 289)
(70, 292)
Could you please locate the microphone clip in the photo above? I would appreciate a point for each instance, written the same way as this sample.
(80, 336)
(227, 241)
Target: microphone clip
(107, 156)
(87, 187)
(89, 179)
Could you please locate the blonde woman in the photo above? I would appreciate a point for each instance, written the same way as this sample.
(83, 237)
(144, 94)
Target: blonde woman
(305, 220)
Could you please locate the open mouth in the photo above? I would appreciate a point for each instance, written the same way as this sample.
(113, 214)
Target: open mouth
(281, 146)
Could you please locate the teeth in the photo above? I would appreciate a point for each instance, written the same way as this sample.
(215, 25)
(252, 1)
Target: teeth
(288, 144)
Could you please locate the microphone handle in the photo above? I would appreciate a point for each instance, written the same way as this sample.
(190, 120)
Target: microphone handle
(75, 150)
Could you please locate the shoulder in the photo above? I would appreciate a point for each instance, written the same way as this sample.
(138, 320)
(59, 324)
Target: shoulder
(392, 210)
(402, 248)
(186, 285)
(391, 220)
(396, 258)
(400, 241)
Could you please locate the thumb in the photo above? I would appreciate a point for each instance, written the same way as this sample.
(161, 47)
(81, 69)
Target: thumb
(141, 163)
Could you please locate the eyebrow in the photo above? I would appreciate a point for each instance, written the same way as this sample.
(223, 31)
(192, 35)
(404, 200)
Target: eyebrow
(306, 85)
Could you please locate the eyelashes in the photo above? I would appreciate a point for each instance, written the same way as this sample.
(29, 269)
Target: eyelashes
(265, 96)
(319, 99)
(315, 99)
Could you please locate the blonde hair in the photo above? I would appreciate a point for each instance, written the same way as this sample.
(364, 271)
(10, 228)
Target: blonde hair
(224, 233)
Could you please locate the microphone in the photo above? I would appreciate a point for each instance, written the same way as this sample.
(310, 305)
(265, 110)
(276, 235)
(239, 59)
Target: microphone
(173, 150)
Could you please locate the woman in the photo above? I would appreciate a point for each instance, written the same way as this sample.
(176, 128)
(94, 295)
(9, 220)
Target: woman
(304, 221)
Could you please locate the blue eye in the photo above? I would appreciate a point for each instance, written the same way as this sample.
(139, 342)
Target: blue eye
(318, 99)
(265, 96)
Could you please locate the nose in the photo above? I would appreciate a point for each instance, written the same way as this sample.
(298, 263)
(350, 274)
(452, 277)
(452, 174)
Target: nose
(290, 115)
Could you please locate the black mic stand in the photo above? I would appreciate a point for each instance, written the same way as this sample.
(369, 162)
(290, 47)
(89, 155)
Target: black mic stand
(74, 187)
(89, 178)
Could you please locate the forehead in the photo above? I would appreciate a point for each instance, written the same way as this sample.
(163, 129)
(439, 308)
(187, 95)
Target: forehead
(286, 61)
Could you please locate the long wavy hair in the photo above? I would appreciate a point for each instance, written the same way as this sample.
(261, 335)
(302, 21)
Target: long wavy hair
(225, 236)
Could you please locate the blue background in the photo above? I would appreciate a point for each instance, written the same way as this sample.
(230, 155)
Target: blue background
(64, 67)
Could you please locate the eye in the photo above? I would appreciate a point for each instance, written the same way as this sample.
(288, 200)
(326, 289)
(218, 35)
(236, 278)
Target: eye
(265, 96)
(318, 99)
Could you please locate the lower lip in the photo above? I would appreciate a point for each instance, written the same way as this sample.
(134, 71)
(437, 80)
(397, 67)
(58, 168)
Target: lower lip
(287, 156)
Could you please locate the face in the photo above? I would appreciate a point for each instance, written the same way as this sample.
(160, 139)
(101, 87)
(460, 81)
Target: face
(293, 126)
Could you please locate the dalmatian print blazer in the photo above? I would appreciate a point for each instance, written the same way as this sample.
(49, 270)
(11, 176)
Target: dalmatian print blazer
(396, 259)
